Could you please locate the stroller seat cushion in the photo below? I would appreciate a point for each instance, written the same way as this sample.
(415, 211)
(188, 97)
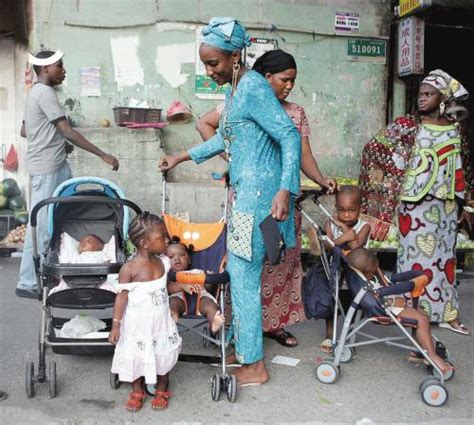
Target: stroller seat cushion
(69, 252)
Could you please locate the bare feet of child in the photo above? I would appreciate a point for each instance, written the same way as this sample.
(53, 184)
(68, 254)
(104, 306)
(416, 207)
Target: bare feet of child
(217, 322)
(442, 364)
(252, 374)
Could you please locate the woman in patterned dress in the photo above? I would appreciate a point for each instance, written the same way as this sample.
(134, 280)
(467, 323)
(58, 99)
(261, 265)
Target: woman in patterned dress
(281, 284)
(436, 180)
(264, 151)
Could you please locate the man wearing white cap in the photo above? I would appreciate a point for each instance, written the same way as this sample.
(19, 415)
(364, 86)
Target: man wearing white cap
(46, 128)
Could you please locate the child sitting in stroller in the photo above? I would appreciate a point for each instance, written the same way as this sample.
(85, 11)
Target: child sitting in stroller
(367, 263)
(348, 231)
(206, 305)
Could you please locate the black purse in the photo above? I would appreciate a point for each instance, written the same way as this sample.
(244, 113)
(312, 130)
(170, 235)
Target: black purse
(273, 240)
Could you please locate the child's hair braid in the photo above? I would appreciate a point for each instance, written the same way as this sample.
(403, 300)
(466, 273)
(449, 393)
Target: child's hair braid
(141, 225)
(176, 240)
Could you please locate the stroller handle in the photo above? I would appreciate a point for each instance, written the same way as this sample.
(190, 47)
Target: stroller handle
(77, 199)
(314, 194)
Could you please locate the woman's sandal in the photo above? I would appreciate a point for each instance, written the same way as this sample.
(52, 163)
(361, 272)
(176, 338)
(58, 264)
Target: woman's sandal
(135, 401)
(326, 346)
(282, 337)
(456, 326)
(160, 402)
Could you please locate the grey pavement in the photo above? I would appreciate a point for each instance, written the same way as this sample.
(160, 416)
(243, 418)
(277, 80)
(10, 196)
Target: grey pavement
(378, 386)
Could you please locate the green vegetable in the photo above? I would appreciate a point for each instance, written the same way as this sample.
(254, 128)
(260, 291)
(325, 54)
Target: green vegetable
(21, 216)
(10, 188)
(3, 202)
(16, 203)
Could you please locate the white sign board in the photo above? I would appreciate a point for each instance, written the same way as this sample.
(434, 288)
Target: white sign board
(411, 42)
(346, 21)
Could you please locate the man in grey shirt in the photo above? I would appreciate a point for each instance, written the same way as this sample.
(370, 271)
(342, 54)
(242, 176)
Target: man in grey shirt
(47, 131)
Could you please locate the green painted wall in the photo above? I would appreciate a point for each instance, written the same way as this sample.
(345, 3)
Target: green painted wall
(344, 101)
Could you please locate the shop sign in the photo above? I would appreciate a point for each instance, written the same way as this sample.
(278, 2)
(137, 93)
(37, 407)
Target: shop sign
(411, 41)
(409, 6)
(366, 50)
(346, 21)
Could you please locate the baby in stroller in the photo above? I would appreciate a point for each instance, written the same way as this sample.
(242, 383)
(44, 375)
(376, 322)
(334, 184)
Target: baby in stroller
(89, 250)
(206, 303)
(367, 263)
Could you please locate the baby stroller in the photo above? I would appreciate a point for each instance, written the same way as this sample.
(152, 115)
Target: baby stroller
(208, 254)
(370, 301)
(79, 206)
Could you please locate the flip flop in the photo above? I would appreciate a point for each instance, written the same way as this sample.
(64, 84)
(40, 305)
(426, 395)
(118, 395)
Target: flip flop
(326, 346)
(250, 384)
(458, 328)
(281, 336)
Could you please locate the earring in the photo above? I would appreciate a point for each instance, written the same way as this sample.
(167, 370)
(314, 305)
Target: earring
(235, 75)
(442, 107)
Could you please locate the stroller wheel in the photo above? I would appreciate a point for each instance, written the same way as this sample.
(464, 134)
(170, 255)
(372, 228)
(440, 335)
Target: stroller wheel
(447, 376)
(30, 380)
(114, 381)
(327, 372)
(433, 393)
(347, 354)
(216, 387)
(231, 388)
(53, 388)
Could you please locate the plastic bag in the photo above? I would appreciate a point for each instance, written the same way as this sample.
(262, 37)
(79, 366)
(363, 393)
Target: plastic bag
(11, 160)
(81, 325)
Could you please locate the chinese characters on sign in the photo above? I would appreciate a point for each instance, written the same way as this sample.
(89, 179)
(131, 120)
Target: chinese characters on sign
(346, 21)
(411, 40)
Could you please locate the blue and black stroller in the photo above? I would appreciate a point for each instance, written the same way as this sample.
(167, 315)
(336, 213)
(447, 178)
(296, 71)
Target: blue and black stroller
(79, 207)
(369, 305)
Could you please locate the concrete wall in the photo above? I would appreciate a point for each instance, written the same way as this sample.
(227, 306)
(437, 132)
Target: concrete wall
(344, 101)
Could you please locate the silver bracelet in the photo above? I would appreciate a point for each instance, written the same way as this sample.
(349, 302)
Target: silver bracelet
(117, 321)
(469, 209)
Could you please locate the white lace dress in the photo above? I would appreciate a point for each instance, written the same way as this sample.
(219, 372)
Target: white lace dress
(149, 342)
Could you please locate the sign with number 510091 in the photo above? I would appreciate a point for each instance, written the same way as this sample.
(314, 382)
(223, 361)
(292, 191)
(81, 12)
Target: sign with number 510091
(366, 50)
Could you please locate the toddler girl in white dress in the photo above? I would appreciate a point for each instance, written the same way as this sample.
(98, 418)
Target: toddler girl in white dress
(146, 336)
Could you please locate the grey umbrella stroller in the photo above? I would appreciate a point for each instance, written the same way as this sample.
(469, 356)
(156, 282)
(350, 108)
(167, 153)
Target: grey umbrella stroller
(369, 307)
(79, 206)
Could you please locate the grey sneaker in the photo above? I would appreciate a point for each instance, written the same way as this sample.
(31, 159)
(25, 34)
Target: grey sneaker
(27, 293)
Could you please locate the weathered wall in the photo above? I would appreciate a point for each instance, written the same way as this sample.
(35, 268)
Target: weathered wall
(344, 101)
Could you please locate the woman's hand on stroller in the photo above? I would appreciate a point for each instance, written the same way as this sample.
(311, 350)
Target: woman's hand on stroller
(168, 162)
(114, 334)
(281, 205)
(331, 185)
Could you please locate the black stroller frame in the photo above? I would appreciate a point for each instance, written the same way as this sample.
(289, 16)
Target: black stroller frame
(432, 387)
(221, 381)
(87, 295)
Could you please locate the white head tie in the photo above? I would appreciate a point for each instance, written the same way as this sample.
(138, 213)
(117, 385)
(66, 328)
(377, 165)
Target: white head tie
(45, 61)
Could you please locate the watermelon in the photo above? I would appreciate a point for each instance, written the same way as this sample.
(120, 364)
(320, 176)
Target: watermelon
(21, 216)
(3, 202)
(10, 188)
(16, 203)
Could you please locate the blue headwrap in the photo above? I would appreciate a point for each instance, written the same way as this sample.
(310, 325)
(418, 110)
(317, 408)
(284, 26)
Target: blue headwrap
(226, 34)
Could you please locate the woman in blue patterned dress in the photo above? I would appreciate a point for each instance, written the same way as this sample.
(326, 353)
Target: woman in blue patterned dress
(264, 149)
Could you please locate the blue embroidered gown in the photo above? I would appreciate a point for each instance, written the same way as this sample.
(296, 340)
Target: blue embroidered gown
(264, 157)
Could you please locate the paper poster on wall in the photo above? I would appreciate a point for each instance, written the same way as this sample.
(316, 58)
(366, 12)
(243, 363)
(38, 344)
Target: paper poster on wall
(204, 86)
(346, 21)
(90, 81)
(258, 47)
